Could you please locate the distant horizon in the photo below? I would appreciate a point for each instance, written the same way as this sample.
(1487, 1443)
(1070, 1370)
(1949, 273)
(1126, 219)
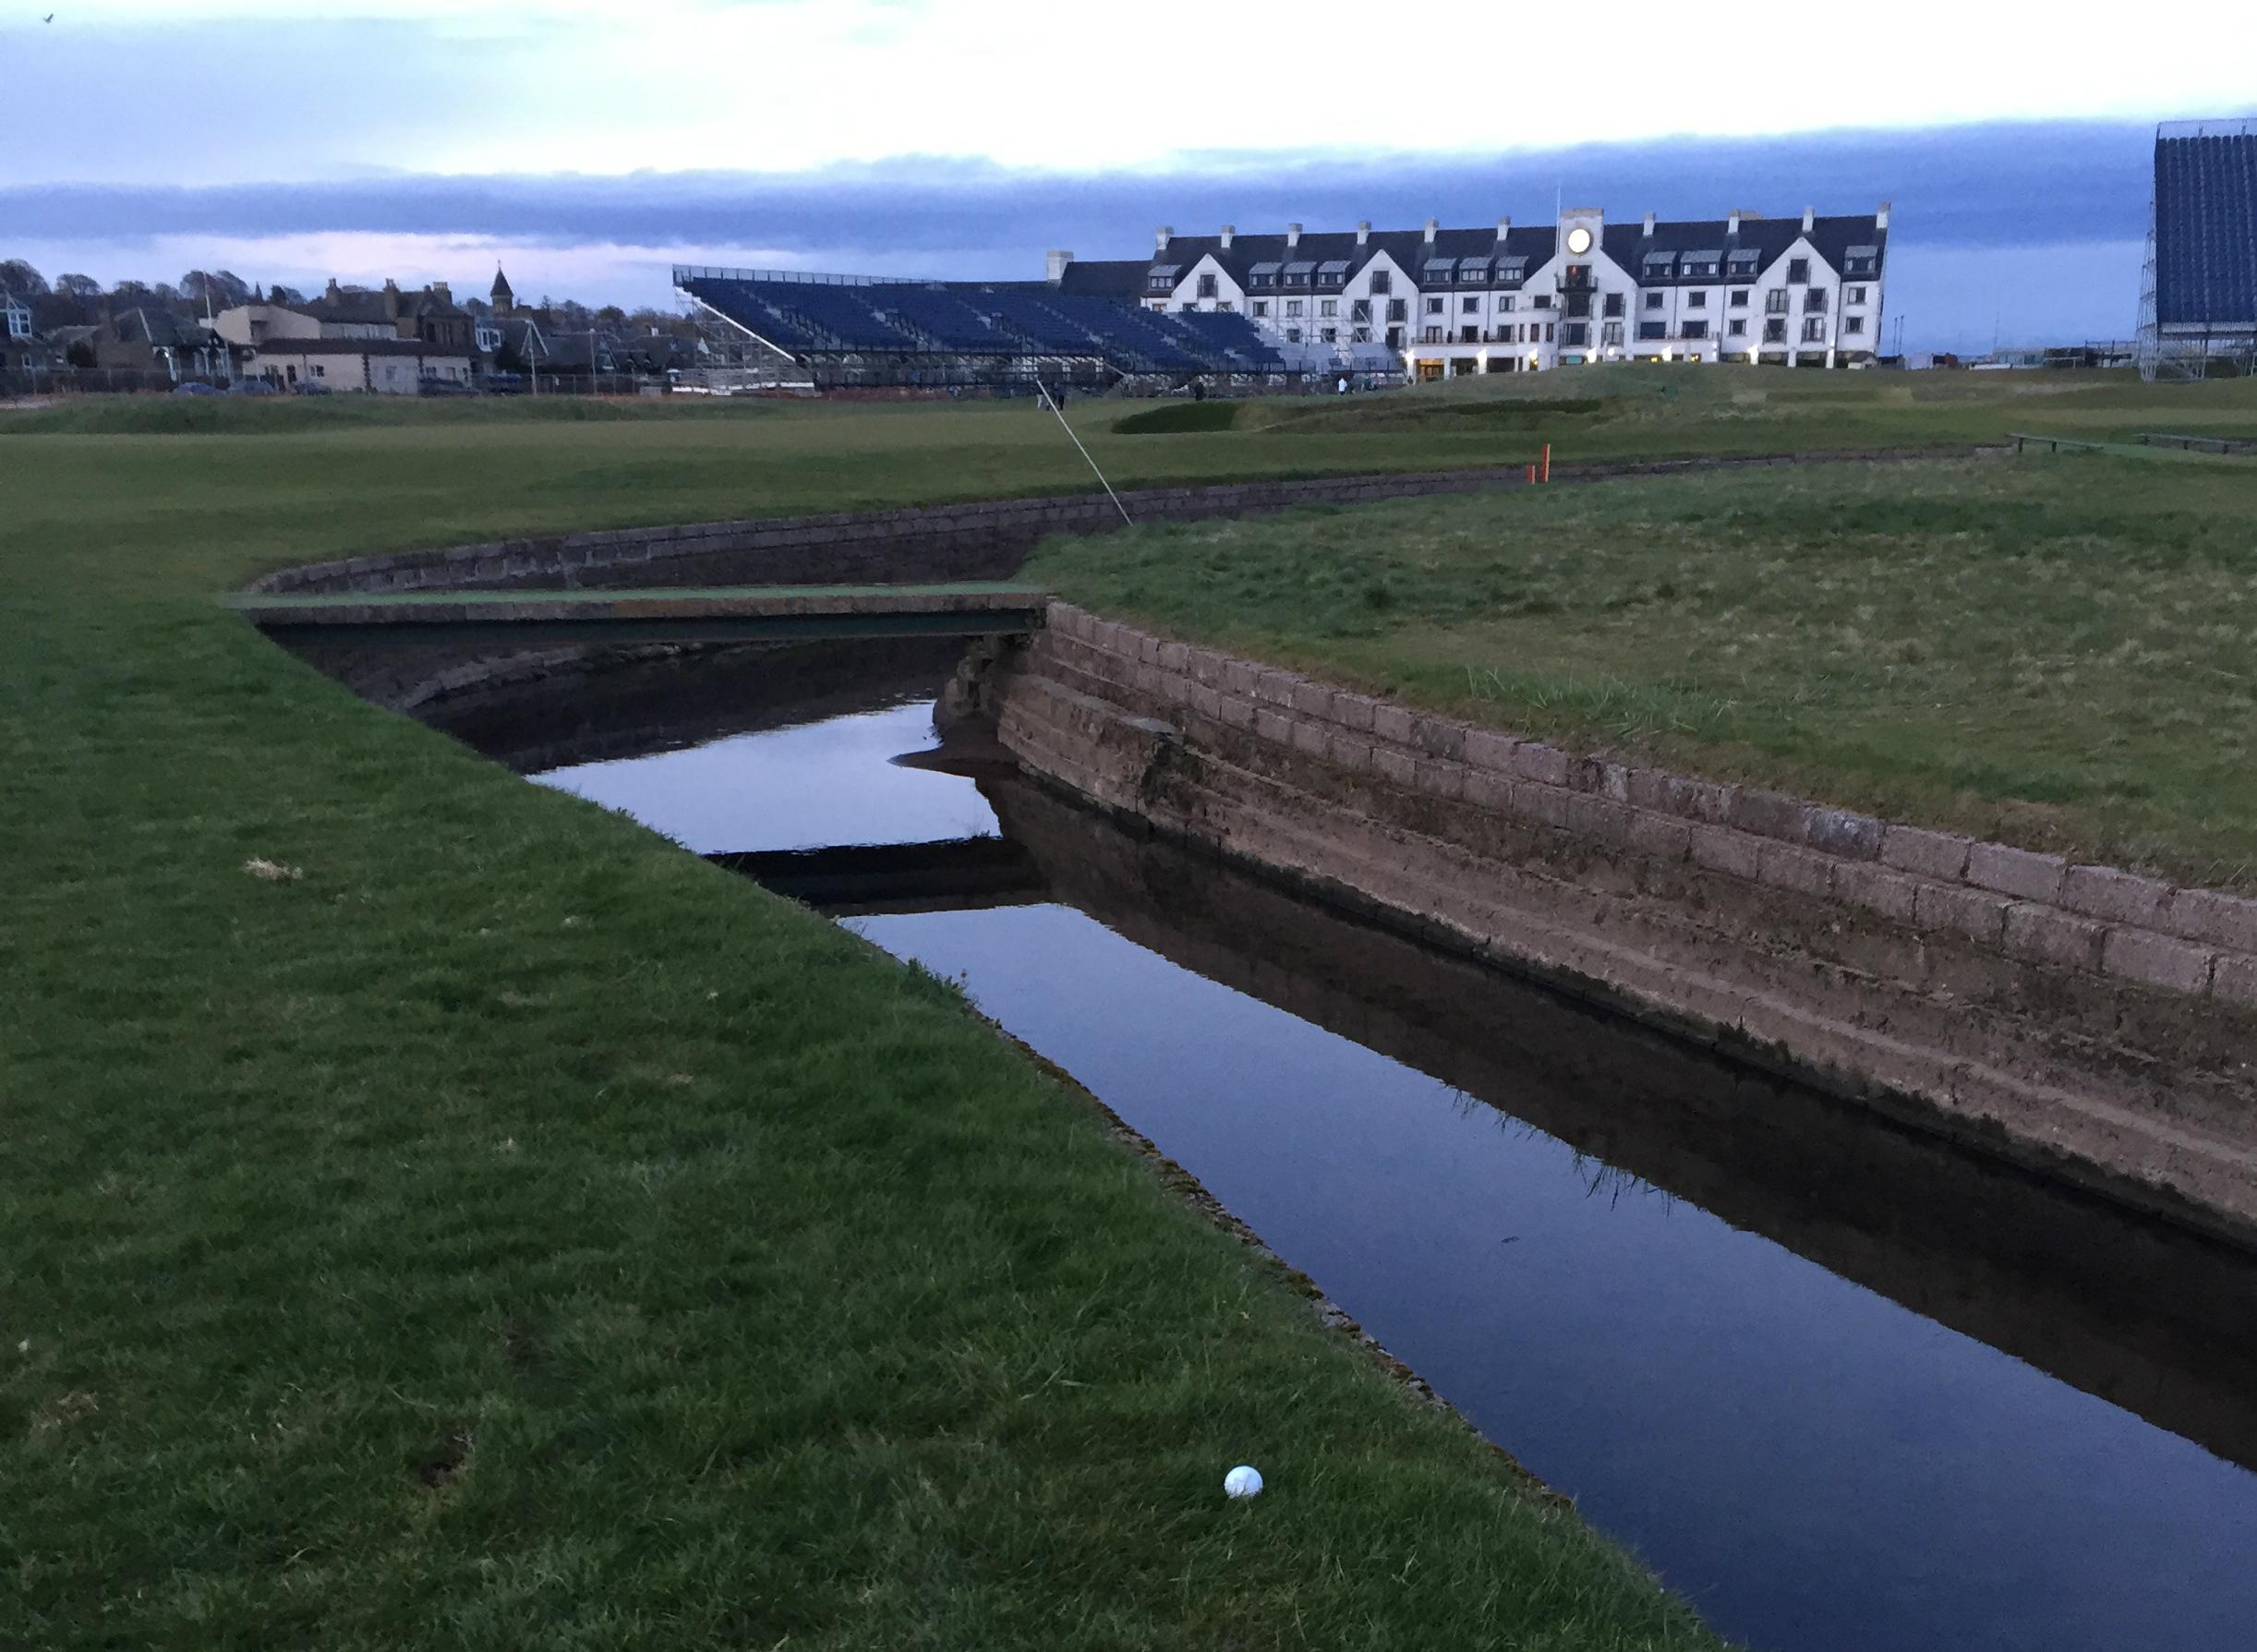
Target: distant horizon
(583, 146)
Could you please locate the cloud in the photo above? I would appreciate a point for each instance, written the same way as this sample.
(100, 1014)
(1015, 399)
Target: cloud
(2051, 214)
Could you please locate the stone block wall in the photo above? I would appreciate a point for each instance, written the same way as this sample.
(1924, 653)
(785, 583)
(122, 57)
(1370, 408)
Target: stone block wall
(2098, 1024)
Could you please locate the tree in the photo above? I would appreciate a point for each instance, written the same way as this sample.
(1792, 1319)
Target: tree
(612, 314)
(15, 276)
(507, 359)
(78, 286)
(132, 292)
(278, 294)
(80, 356)
(221, 289)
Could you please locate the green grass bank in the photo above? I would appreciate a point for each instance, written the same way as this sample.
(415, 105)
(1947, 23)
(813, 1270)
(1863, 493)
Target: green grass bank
(494, 1227)
(2057, 652)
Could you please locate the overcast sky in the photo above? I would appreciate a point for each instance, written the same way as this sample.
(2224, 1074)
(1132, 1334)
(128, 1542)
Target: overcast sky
(590, 144)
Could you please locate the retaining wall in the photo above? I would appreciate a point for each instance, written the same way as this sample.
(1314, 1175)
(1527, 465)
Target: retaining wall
(2100, 1025)
(931, 544)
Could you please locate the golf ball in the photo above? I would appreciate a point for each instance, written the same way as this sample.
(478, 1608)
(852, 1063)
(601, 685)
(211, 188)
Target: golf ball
(1242, 1481)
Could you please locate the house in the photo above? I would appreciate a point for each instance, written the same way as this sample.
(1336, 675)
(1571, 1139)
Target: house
(429, 315)
(148, 340)
(247, 325)
(15, 320)
(393, 366)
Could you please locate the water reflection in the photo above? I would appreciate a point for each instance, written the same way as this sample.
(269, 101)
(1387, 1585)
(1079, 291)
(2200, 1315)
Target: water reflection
(1844, 1386)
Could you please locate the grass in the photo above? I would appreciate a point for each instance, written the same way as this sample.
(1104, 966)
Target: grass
(441, 1214)
(2059, 652)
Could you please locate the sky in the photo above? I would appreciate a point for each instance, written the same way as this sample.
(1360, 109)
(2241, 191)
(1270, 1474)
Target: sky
(589, 145)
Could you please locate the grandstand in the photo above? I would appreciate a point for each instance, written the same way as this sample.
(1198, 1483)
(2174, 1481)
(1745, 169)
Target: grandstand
(2198, 292)
(843, 331)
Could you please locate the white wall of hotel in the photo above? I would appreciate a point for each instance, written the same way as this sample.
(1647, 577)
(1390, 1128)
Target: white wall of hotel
(1829, 318)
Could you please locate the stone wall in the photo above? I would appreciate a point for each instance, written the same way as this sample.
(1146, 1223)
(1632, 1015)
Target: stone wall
(2096, 1024)
(929, 544)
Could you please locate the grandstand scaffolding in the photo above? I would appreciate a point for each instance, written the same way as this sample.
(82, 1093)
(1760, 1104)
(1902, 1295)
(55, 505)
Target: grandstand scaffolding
(853, 332)
(2198, 283)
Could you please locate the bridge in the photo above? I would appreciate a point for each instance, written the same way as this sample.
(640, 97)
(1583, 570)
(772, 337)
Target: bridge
(703, 614)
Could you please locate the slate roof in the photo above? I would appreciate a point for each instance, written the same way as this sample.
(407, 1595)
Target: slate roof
(163, 330)
(1768, 238)
(1104, 278)
(2206, 228)
(357, 347)
(1626, 244)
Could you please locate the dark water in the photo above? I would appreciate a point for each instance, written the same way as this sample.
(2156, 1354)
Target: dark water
(1842, 1386)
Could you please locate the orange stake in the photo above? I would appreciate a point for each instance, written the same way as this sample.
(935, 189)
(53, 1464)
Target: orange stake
(1548, 461)
(1531, 476)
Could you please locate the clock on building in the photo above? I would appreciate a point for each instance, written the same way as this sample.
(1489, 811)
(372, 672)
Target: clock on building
(1578, 240)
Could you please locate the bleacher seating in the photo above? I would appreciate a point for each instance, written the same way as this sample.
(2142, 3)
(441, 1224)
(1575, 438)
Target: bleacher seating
(813, 320)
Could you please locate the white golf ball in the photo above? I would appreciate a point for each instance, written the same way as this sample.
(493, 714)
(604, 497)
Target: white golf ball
(1242, 1481)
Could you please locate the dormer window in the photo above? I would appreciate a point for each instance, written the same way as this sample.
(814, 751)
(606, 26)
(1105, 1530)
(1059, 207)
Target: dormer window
(1163, 277)
(1660, 266)
(1861, 260)
(1702, 266)
(1262, 276)
(1332, 273)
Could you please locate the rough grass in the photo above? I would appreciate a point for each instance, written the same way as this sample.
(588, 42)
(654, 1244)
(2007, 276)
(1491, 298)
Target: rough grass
(2059, 652)
(267, 415)
(441, 1214)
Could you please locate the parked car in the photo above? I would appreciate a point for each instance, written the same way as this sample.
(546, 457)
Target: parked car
(503, 384)
(309, 387)
(194, 388)
(250, 387)
(432, 385)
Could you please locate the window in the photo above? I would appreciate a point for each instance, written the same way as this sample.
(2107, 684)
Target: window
(1206, 287)
(1362, 335)
(1775, 302)
(18, 321)
(1542, 301)
(1853, 323)
(1774, 332)
(1506, 304)
(1578, 304)
(1469, 335)
(1653, 301)
(1399, 309)
(1382, 283)
(1861, 260)
(1653, 330)
(1433, 307)
(1547, 332)
(1225, 307)
(1261, 308)
(1432, 335)
(1327, 306)
(1330, 335)
(1394, 338)
(1736, 327)
(1853, 296)
(1696, 300)
(1739, 299)
(1359, 309)
(1612, 304)
(320, 371)
(1189, 306)
(1814, 300)
(1609, 332)
(1578, 333)
(1798, 270)
(1162, 277)
(1293, 335)
(1693, 330)
(1470, 307)
(1814, 331)
(1293, 310)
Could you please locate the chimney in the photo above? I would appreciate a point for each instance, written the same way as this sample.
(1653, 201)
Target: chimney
(1363, 233)
(439, 291)
(1732, 222)
(333, 291)
(1293, 236)
(1054, 266)
(1230, 231)
(1160, 237)
(1650, 224)
(391, 299)
(1431, 225)
(1810, 219)
(1505, 228)
(1880, 219)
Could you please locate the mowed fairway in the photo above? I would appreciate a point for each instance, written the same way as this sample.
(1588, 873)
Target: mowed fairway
(502, 1229)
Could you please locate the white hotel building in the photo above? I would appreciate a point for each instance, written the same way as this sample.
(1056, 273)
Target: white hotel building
(1440, 302)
